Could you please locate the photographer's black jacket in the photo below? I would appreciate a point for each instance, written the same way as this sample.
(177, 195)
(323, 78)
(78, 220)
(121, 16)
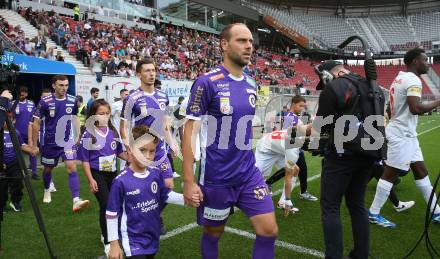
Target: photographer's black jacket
(339, 97)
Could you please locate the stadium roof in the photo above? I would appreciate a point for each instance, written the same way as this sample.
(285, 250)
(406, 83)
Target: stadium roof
(347, 3)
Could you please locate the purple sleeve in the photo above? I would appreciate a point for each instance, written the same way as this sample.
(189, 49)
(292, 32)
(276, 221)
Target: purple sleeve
(199, 99)
(164, 191)
(83, 152)
(40, 109)
(115, 199)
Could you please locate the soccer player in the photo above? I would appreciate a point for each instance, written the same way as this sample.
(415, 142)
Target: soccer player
(59, 111)
(116, 108)
(23, 115)
(297, 106)
(228, 176)
(147, 106)
(271, 150)
(404, 152)
(136, 198)
(98, 149)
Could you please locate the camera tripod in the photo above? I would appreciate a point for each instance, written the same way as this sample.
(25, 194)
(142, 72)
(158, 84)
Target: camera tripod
(25, 176)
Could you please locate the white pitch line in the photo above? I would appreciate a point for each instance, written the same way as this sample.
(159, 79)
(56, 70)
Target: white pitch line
(279, 243)
(429, 130)
(179, 230)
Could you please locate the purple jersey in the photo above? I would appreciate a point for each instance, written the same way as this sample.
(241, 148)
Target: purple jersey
(102, 152)
(56, 111)
(10, 155)
(228, 158)
(136, 200)
(149, 110)
(23, 115)
(290, 120)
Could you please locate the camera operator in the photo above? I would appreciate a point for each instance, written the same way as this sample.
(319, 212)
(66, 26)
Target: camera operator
(345, 170)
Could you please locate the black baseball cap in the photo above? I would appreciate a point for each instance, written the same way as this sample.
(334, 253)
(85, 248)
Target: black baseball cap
(326, 65)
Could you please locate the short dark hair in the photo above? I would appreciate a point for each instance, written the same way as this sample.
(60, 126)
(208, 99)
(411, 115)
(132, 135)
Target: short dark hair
(297, 99)
(411, 55)
(94, 90)
(226, 32)
(56, 78)
(141, 130)
(181, 98)
(122, 90)
(46, 90)
(79, 98)
(23, 89)
(144, 62)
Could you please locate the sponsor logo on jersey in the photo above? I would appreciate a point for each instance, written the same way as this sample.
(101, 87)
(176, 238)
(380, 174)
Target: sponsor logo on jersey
(134, 192)
(162, 94)
(227, 94)
(217, 77)
(222, 85)
(70, 104)
(414, 90)
(215, 214)
(251, 91)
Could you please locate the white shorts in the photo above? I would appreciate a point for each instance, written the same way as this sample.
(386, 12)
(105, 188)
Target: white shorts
(265, 160)
(402, 151)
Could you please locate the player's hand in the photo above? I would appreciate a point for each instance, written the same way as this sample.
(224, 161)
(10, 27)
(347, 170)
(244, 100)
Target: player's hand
(192, 194)
(93, 186)
(115, 251)
(35, 151)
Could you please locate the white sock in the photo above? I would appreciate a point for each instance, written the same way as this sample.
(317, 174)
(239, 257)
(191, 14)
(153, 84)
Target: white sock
(382, 192)
(75, 199)
(283, 195)
(425, 187)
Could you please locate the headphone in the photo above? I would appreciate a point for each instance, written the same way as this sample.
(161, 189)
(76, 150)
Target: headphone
(323, 74)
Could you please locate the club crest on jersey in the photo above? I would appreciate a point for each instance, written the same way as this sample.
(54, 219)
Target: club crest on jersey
(162, 106)
(154, 187)
(260, 192)
(225, 106)
(113, 145)
(252, 100)
(164, 167)
(29, 109)
(52, 111)
(69, 110)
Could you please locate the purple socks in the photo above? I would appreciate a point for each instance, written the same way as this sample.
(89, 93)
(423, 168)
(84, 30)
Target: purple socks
(47, 178)
(74, 184)
(264, 247)
(209, 246)
(33, 163)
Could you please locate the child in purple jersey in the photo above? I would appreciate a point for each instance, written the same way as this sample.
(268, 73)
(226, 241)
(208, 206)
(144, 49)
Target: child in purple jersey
(59, 111)
(147, 106)
(23, 115)
(228, 176)
(137, 195)
(13, 182)
(98, 149)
